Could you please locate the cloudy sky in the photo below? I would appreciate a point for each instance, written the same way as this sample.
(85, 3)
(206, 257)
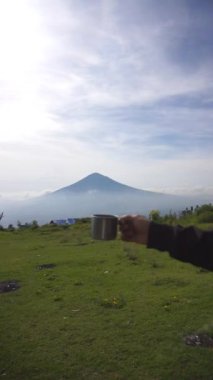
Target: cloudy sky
(119, 87)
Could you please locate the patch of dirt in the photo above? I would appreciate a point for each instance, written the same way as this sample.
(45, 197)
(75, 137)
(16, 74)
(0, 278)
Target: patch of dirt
(199, 340)
(46, 266)
(9, 286)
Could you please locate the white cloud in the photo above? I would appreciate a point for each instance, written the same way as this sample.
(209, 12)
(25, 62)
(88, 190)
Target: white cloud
(107, 64)
(101, 87)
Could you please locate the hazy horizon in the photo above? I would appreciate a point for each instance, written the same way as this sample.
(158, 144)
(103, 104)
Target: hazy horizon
(45, 209)
(167, 190)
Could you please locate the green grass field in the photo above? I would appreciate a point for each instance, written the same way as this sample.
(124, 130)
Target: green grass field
(107, 310)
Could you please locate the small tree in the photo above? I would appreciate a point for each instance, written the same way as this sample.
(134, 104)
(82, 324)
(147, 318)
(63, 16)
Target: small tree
(154, 216)
(11, 227)
(34, 224)
(18, 224)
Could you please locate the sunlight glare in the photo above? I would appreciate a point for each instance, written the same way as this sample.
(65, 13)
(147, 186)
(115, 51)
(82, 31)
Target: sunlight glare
(22, 51)
(20, 38)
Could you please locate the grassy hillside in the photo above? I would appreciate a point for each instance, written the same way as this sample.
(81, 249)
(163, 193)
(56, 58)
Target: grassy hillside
(106, 310)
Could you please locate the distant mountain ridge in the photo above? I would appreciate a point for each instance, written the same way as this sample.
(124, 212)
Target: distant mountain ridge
(100, 183)
(94, 194)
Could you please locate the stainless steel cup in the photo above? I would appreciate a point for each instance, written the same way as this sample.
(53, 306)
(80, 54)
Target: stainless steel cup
(104, 227)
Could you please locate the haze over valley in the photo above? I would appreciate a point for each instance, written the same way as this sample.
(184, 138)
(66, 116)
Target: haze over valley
(93, 194)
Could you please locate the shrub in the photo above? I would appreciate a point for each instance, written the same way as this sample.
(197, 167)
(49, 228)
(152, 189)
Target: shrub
(11, 227)
(34, 224)
(154, 215)
(204, 208)
(205, 217)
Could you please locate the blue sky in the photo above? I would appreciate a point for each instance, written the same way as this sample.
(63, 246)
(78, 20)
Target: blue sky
(124, 88)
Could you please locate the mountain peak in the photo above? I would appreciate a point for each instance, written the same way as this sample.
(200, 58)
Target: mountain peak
(96, 182)
(95, 175)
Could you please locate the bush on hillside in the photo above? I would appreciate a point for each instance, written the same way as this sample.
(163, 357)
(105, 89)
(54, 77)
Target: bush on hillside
(34, 224)
(204, 208)
(11, 227)
(154, 216)
(205, 217)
